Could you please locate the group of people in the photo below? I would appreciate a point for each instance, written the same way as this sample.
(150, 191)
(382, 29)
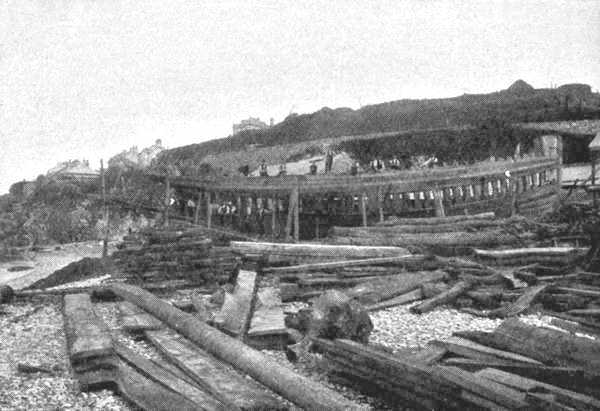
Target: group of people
(264, 172)
(378, 165)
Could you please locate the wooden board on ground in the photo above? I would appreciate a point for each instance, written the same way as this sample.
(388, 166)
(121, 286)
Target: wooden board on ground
(87, 336)
(235, 312)
(268, 322)
(341, 265)
(189, 391)
(148, 394)
(383, 289)
(405, 298)
(136, 320)
(213, 375)
(580, 401)
(470, 349)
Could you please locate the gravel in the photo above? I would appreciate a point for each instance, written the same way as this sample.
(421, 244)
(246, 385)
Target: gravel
(32, 332)
(39, 339)
(398, 329)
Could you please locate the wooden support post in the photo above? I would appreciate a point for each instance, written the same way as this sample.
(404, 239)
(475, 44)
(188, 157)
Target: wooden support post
(297, 218)
(439, 203)
(512, 190)
(293, 203)
(363, 208)
(197, 211)
(274, 211)
(238, 204)
(208, 209)
(167, 199)
(380, 204)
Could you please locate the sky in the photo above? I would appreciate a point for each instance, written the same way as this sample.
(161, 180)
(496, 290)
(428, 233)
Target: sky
(87, 79)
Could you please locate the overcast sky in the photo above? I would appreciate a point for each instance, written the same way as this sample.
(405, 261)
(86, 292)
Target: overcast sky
(87, 79)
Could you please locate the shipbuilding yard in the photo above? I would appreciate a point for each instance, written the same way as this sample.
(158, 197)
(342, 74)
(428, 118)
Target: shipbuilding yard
(446, 287)
(300, 205)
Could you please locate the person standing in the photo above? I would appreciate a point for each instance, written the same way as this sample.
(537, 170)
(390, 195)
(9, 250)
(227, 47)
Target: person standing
(282, 170)
(263, 172)
(395, 163)
(313, 169)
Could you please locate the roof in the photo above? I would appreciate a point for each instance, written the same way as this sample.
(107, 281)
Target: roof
(595, 144)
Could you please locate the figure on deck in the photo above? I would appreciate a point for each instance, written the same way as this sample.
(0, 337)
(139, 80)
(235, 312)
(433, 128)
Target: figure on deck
(395, 163)
(263, 169)
(313, 169)
(282, 170)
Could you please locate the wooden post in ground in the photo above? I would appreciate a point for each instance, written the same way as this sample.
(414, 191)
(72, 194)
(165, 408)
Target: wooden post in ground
(363, 208)
(274, 210)
(290, 215)
(297, 217)
(238, 204)
(208, 209)
(380, 204)
(167, 199)
(439, 202)
(197, 212)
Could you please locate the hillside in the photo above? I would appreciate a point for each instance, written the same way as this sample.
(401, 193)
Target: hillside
(517, 104)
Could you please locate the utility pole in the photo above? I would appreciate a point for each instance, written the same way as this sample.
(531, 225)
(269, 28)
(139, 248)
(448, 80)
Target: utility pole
(105, 210)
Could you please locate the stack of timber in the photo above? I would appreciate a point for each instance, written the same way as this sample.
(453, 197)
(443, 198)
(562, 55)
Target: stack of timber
(207, 357)
(175, 259)
(304, 281)
(405, 380)
(99, 362)
(518, 366)
(440, 234)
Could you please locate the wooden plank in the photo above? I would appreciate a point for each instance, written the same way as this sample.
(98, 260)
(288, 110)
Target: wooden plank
(470, 349)
(520, 305)
(148, 394)
(392, 261)
(491, 390)
(544, 344)
(375, 291)
(235, 312)
(136, 320)
(430, 354)
(580, 401)
(436, 220)
(87, 336)
(200, 398)
(443, 298)
(533, 251)
(230, 387)
(315, 250)
(405, 298)
(533, 371)
(588, 312)
(268, 318)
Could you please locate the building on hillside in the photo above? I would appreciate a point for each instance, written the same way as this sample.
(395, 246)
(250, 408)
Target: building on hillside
(251, 123)
(135, 158)
(73, 170)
